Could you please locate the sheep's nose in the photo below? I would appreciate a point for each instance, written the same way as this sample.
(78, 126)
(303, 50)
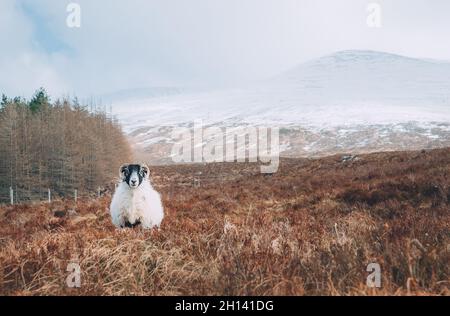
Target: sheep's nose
(133, 182)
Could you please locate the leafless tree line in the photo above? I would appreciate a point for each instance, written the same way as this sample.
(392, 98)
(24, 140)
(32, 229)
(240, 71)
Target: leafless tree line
(61, 146)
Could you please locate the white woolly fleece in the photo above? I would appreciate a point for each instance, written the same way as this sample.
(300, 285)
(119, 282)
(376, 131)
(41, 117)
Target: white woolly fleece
(142, 204)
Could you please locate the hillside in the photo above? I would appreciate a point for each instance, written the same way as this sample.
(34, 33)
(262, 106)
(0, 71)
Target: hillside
(311, 228)
(358, 101)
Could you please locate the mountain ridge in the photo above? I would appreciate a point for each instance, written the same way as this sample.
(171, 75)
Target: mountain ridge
(352, 100)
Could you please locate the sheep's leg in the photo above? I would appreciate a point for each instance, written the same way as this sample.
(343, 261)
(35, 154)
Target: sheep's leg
(147, 223)
(133, 218)
(118, 221)
(130, 225)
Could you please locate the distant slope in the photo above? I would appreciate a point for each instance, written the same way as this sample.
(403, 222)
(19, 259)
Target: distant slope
(347, 101)
(370, 76)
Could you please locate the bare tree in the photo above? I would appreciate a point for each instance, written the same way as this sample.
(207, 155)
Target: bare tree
(60, 145)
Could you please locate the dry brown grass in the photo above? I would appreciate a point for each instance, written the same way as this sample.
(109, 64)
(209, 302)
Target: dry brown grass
(312, 228)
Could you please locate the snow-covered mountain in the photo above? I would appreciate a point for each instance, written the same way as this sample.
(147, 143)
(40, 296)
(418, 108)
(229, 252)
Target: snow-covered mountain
(372, 76)
(347, 101)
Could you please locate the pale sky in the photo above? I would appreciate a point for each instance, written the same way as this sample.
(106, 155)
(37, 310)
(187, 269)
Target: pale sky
(142, 43)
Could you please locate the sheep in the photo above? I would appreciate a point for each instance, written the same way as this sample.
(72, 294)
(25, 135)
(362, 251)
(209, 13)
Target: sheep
(135, 201)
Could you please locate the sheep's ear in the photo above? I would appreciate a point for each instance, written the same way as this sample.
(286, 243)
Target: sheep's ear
(122, 171)
(145, 170)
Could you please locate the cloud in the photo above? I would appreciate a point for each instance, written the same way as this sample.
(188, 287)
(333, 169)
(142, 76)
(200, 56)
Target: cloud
(24, 67)
(138, 43)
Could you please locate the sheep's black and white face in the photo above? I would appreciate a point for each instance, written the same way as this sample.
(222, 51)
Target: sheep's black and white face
(133, 175)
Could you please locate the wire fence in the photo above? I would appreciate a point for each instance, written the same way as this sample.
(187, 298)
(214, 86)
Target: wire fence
(13, 196)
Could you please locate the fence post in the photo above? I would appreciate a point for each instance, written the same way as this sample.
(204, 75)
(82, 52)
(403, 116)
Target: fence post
(49, 196)
(76, 196)
(11, 195)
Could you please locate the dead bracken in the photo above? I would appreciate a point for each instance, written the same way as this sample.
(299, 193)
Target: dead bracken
(312, 228)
